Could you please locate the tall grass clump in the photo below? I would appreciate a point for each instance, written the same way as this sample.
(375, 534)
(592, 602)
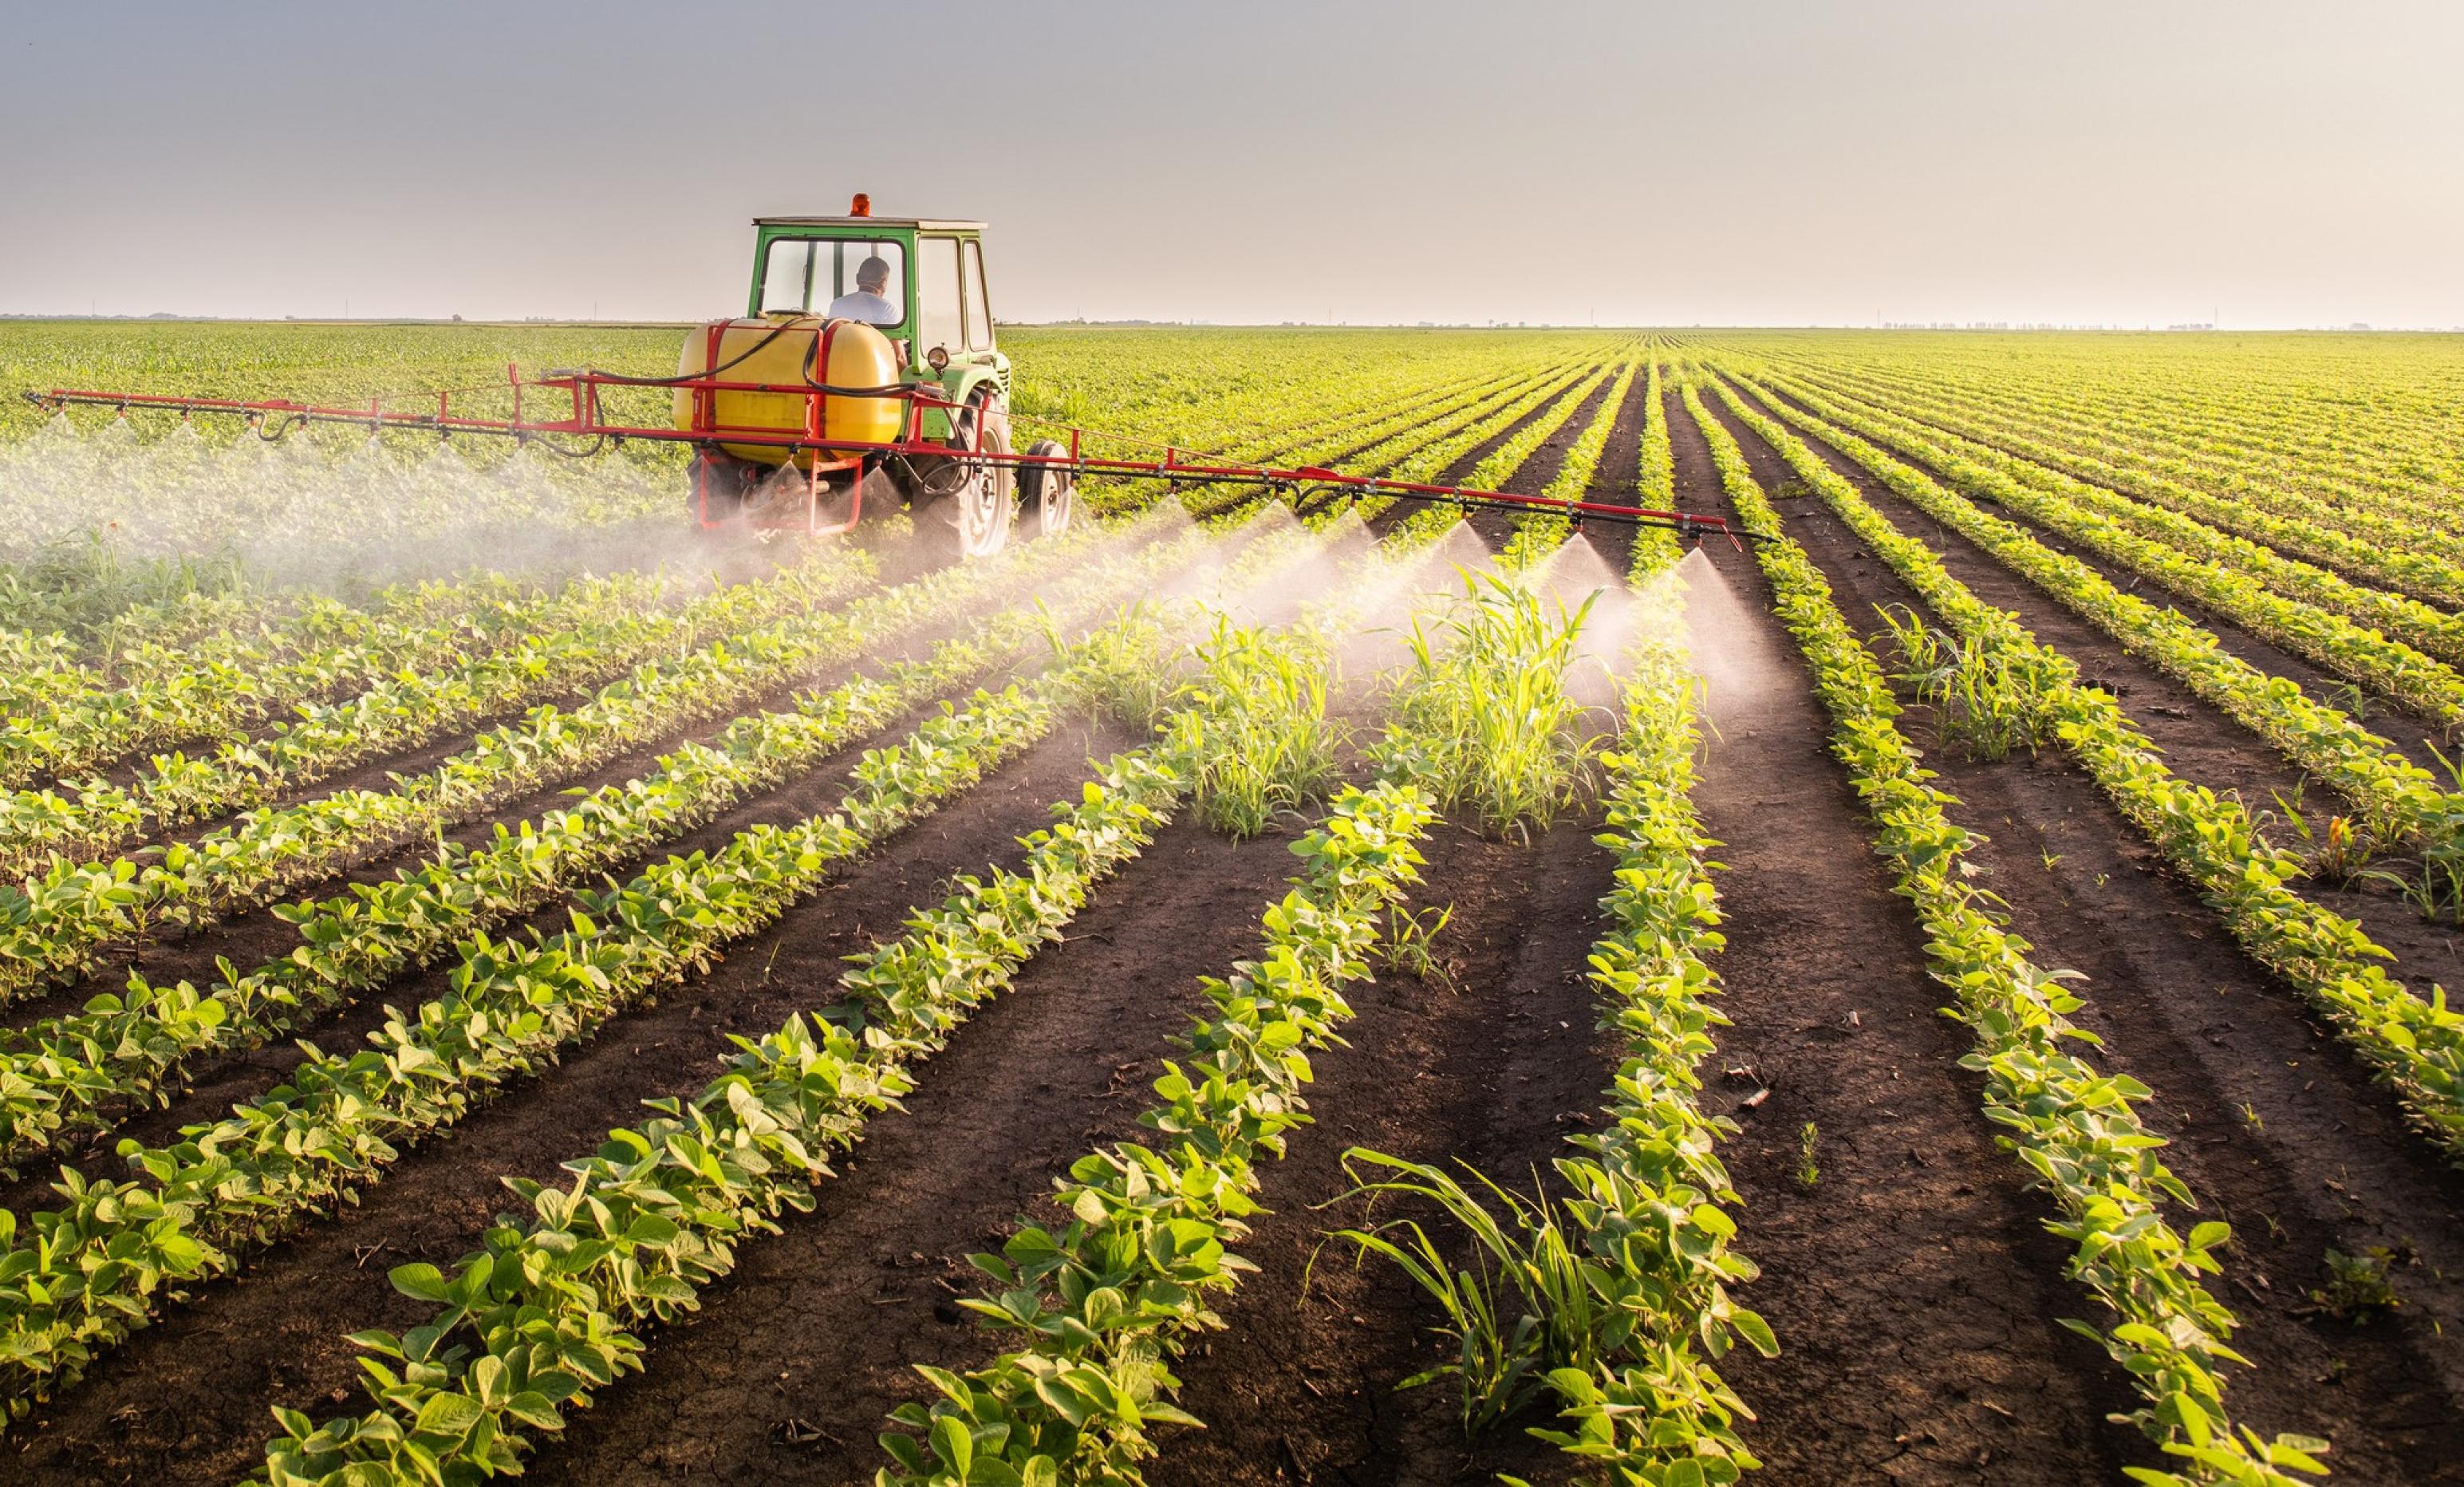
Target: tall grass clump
(1482, 715)
(1256, 738)
(1987, 701)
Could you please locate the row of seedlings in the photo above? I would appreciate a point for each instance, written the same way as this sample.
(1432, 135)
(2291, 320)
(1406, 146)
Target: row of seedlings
(1099, 1306)
(92, 1271)
(64, 1073)
(2399, 803)
(405, 710)
(54, 924)
(2076, 1130)
(59, 715)
(2415, 1043)
(2306, 625)
(557, 1304)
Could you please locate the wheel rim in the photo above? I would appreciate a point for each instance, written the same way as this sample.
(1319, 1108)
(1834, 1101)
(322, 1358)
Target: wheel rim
(983, 505)
(1055, 493)
(1059, 506)
(983, 517)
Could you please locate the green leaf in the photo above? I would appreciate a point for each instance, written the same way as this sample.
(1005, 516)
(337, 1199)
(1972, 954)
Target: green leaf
(952, 1443)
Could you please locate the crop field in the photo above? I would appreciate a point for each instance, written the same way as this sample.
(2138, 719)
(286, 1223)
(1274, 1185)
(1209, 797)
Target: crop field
(498, 981)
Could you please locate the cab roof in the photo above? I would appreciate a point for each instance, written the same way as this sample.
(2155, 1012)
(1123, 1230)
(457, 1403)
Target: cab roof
(927, 224)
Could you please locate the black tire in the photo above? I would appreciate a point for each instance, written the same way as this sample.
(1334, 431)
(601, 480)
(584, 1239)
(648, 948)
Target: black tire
(1048, 495)
(973, 505)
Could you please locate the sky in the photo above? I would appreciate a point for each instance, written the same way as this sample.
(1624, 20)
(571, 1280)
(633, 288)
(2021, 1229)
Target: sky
(1745, 163)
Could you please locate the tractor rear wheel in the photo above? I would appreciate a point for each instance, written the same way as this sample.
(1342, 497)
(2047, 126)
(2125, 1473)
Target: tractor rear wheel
(1048, 495)
(970, 516)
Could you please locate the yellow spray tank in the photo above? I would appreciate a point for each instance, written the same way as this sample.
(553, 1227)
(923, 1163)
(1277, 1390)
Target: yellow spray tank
(780, 350)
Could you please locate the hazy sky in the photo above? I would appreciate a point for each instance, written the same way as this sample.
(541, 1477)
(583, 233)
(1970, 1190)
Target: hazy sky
(1743, 162)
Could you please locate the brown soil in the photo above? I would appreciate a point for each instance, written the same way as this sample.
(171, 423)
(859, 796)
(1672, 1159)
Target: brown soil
(1913, 1288)
(2274, 1127)
(185, 1400)
(1460, 469)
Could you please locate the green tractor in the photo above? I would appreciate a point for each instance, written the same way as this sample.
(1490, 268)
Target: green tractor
(875, 310)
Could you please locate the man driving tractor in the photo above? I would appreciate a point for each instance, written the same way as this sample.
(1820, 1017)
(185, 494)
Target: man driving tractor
(867, 302)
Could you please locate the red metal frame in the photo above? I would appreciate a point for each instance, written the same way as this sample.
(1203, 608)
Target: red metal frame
(587, 421)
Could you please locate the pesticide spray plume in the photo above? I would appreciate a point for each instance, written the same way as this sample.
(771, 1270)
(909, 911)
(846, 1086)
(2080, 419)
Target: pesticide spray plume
(1200, 580)
(1421, 581)
(1347, 536)
(1573, 574)
(1743, 673)
(334, 510)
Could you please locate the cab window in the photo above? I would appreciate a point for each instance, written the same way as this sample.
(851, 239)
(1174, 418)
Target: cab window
(936, 294)
(812, 276)
(979, 315)
(785, 274)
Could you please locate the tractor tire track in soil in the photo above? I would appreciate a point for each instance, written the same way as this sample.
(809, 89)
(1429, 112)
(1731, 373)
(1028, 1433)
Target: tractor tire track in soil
(185, 1400)
(2325, 1162)
(1914, 1290)
(2404, 732)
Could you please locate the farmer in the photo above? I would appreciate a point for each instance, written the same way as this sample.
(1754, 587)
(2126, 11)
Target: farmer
(868, 302)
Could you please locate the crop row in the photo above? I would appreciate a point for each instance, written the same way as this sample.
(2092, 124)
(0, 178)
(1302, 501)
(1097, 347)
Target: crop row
(2211, 427)
(2363, 655)
(2280, 470)
(2403, 553)
(1417, 450)
(2361, 421)
(61, 1071)
(2431, 631)
(1101, 1304)
(1655, 547)
(90, 1270)
(53, 925)
(1632, 1367)
(2415, 1043)
(1368, 427)
(85, 717)
(557, 1301)
(401, 712)
(1553, 404)
(2077, 1130)
(1537, 534)
(2400, 803)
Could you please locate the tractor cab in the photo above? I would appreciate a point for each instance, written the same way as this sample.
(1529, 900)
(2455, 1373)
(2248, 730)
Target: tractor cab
(872, 337)
(933, 274)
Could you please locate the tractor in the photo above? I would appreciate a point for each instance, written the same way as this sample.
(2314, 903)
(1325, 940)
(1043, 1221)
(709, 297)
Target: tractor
(864, 376)
(875, 311)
